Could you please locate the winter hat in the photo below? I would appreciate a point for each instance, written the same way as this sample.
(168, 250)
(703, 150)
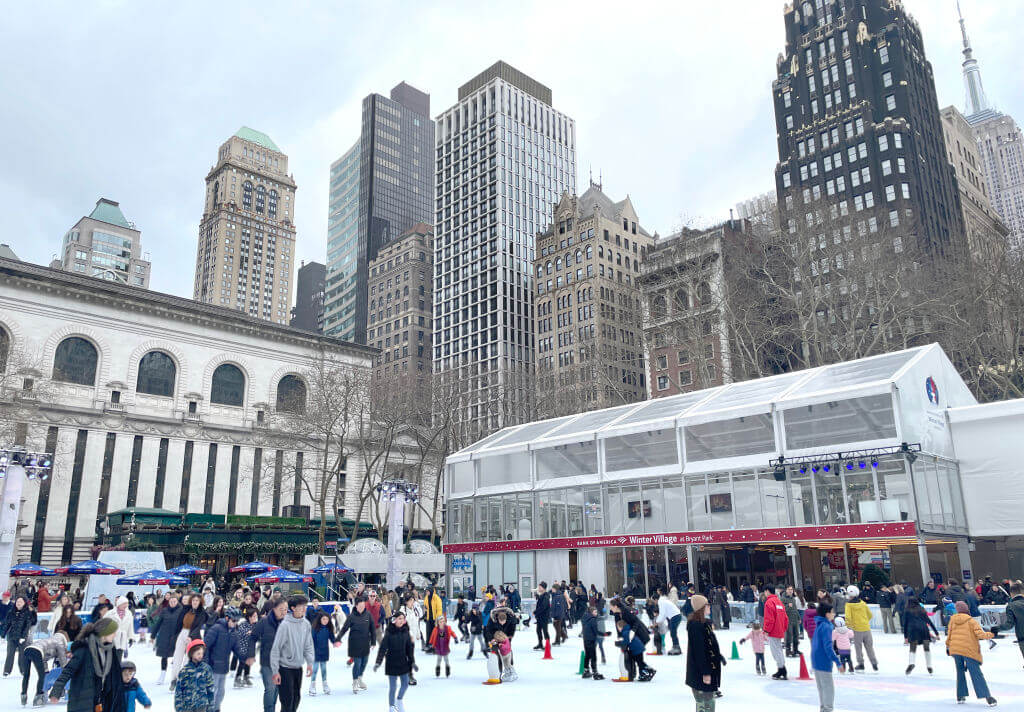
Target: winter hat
(698, 602)
(194, 644)
(961, 607)
(127, 665)
(852, 591)
(106, 626)
(233, 613)
(121, 601)
(840, 622)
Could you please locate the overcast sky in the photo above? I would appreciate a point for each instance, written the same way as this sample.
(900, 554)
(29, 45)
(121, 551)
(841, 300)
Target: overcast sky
(130, 100)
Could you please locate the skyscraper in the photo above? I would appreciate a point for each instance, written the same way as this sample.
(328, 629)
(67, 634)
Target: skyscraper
(308, 312)
(393, 162)
(104, 244)
(246, 247)
(858, 124)
(504, 157)
(999, 143)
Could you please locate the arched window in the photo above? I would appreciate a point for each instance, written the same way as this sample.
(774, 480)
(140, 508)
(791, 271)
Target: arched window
(579, 256)
(291, 395)
(682, 299)
(272, 204)
(5, 348)
(658, 306)
(568, 259)
(216, 189)
(547, 268)
(540, 271)
(247, 195)
(558, 264)
(75, 362)
(590, 251)
(261, 198)
(157, 373)
(228, 385)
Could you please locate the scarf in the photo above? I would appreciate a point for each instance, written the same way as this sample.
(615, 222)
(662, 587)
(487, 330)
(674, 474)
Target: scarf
(102, 656)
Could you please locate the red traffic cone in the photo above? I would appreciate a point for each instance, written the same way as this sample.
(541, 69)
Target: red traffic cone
(804, 675)
(547, 650)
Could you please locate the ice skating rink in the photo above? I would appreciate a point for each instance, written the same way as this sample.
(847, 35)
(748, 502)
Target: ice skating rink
(555, 682)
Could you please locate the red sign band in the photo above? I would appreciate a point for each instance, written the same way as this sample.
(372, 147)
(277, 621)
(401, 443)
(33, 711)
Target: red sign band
(776, 535)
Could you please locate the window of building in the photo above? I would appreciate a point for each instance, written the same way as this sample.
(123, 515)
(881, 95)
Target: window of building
(883, 54)
(890, 102)
(662, 383)
(887, 79)
(157, 373)
(685, 378)
(75, 361)
(291, 395)
(228, 385)
(5, 348)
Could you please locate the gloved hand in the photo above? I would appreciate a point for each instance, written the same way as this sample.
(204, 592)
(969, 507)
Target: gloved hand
(415, 667)
(376, 667)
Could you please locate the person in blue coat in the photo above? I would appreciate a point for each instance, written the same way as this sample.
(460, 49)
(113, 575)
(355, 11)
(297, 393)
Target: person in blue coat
(515, 601)
(133, 691)
(823, 657)
(559, 610)
(323, 638)
(221, 640)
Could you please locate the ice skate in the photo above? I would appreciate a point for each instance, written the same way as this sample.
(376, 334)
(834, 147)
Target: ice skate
(40, 700)
(362, 685)
(437, 671)
(780, 675)
(991, 701)
(910, 668)
(312, 689)
(24, 698)
(248, 681)
(400, 704)
(587, 675)
(447, 670)
(160, 680)
(355, 687)
(675, 650)
(327, 690)
(238, 683)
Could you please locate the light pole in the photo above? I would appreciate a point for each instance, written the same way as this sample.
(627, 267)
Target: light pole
(398, 492)
(16, 465)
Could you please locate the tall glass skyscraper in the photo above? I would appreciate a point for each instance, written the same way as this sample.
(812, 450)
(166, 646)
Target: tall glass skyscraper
(388, 175)
(504, 157)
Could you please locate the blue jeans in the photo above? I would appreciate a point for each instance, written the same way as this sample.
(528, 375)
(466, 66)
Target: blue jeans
(673, 628)
(392, 682)
(218, 690)
(358, 667)
(320, 665)
(269, 689)
(965, 664)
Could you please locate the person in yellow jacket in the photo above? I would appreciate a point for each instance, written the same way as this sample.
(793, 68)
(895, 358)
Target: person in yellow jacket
(432, 610)
(962, 636)
(858, 617)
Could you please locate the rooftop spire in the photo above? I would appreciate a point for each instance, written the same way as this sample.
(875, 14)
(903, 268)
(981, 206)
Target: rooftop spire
(976, 101)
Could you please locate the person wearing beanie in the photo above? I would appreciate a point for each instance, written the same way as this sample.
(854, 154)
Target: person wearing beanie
(93, 674)
(776, 622)
(476, 630)
(704, 659)
(858, 617)
(962, 642)
(37, 656)
(133, 691)
(124, 617)
(194, 691)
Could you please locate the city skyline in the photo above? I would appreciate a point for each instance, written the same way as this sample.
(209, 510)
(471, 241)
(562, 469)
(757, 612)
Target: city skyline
(733, 160)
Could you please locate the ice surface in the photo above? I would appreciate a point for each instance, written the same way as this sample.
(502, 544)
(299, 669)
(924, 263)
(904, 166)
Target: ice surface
(555, 684)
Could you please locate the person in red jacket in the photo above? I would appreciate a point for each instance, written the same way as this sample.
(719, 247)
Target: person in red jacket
(43, 599)
(776, 621)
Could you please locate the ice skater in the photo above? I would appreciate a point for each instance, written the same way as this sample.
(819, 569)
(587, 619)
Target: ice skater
(916, 625)
(823, 656)
(476, 630)
(757, 640)
(842, 637)
(441, 642)
(398, 653)
(37, 656)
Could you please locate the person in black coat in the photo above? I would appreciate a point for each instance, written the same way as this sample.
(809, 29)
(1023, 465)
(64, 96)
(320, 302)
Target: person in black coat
(17, 630)
(542, 614)
(916, 625)
(94, 671)
(591, 635)
(164, 629)
(361, 635)
(263, 634)
(704, 659)
(461, 615)
(398, 653)
(559, 611)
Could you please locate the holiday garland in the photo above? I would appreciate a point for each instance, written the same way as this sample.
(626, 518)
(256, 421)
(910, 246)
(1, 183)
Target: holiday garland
(251, 547)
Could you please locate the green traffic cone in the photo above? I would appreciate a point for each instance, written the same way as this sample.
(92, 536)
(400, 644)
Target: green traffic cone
(582, 658)
(735, 652)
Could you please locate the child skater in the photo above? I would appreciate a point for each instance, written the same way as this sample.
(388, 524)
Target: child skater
(591, 636)
(633, 648)
(501, 645)
(441, 641)
(193, 691)
(476, 629)
(245, 645)
(843, 638)
(823, 657)
(133, 691)
(323, 638)
(757, 639)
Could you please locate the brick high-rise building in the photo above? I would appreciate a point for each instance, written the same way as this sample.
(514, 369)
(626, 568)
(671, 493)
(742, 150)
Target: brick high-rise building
(858, 125)
(588, 319)
(246, 249)
(380, 188)
(504, 157)
(400, 308)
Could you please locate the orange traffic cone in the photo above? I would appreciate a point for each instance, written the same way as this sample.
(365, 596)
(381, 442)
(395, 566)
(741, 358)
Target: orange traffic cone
(547, 650)
(804, 675)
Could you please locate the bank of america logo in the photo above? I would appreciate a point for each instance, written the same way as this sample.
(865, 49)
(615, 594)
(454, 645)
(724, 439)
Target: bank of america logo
(932, 390)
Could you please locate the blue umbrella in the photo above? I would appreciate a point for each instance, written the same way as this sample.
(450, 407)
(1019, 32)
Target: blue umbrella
(188, 570)
(328, 568)
(279, 576)
(253, 567)
(153, 577)
(85, 568)
(31, 570)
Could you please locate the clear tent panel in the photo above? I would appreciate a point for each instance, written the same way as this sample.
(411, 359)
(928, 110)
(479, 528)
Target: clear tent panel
(479, 444)
(653, 448)
(761, 390)
(844, 421)
(532, 431)
(504, 469)
(735, 437)
(567, 460)
(855, 373)
(589, 422)
(664, 408)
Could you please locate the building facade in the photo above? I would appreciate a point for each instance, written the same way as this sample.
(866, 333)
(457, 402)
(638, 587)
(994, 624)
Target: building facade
(104, 244)
(151, 401)
(246, 251)
(761, 209)
(395, 190)
(986, 233)
(586, 330)
(401, 311)
(858, 124)
(504, 157)
(685, 308)
(308, 312)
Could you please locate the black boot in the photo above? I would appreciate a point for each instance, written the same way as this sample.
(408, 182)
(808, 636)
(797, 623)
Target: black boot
(447, 670)
(412, 680)
(780, 675)
(437, 671)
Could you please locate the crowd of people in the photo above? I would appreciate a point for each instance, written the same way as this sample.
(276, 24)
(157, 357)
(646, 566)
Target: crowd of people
(202, 638)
